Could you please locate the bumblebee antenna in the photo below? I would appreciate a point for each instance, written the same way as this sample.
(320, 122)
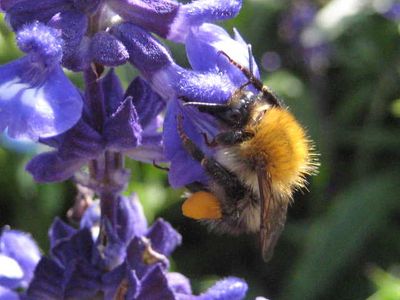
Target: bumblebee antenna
(267, 93)
(206, 104)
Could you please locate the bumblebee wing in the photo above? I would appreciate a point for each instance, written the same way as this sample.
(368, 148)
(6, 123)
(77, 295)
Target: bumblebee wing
(273, 214)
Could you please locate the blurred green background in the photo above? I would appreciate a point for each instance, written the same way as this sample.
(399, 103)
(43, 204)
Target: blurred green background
(336, 64)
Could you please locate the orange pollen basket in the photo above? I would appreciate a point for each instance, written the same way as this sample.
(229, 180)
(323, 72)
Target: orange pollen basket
(202, 205)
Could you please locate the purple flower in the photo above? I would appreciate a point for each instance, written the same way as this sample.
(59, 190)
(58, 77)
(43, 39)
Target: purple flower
(213, 80)
(84, 24)
(70, 17)
(130, 125)
(36, 99)
(128, 260)
(19, 255)
(173, 20)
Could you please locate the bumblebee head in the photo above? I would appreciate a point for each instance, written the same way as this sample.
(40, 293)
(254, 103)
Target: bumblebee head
(235, 113)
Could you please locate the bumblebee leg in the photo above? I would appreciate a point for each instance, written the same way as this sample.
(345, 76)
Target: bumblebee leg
(188, 144)
(234, 137)
(234, 188)
(228, 138)
(196, 187)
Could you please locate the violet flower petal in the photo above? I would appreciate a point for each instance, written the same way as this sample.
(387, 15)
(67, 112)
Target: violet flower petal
(112, 91)
(78, 59)
(75, 148)
(7, 294)
(168, 79)
(79, 245)
(134, 285)
(59, 231)
(11, 274)
(50, 167)
(152, 148)
(155, 15)
(86, 6)
(112, 280)
(134, 257)
(19, 13)
(152, 130)
(122, 280)
(230, 288)
(122, 130)
(179, 283)
(155, 286)
(145, 51)
(106, 50)
(148, 153)
(130, 218)
(197, 12)
(33, 112)
(114, 251)
(172, 20)
(203, 46)
(23, 249)
(73, 26)
(36, 98)
(81, 142)
(173, 81)
(148, 103)
(83, 282)
(164, 238)
(47, 284)
(91, 218)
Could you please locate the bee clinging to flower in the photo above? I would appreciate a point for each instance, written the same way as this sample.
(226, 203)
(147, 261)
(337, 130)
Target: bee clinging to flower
(262, 155)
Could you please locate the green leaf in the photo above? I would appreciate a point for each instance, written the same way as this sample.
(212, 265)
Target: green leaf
(334, 239)
(387, 284)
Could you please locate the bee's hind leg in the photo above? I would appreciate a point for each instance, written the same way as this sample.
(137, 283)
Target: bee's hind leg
(234, 188)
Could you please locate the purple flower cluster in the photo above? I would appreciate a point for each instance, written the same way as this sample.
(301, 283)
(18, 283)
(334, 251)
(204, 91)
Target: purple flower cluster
(113, 255)
(133, 265)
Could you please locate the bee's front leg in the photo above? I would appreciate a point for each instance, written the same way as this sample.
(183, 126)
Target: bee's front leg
(228, 138)
(234, 137)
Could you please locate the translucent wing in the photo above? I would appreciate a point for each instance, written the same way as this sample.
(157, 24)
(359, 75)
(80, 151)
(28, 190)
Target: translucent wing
(273, 214)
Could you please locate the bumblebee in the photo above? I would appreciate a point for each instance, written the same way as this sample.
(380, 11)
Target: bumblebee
(262, 156)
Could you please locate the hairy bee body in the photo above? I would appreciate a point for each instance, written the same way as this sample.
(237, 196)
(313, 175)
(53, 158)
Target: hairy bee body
(262, 156)
(282, 144)
(241, 217)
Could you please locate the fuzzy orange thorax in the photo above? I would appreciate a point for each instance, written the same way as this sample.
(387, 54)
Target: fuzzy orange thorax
(282, 144)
